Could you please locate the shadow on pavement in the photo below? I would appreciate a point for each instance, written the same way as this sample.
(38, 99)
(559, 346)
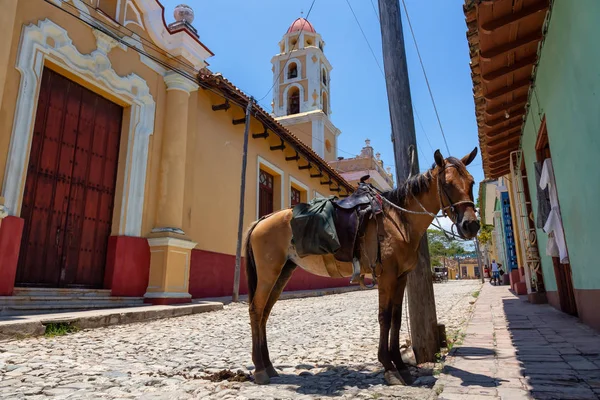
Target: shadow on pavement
(335, 381)
(558, 357)
(470, 378)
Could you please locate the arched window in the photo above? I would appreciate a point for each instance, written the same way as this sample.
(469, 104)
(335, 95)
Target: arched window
(293, 101)
(292, 71)
(325, 103)
(324, 75)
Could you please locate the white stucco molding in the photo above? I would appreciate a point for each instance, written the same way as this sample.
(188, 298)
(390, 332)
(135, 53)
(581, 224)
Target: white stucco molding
(297, 183)
(309, 116)
(95, 68)
(171, 242)
(177, 44)
(175, 81)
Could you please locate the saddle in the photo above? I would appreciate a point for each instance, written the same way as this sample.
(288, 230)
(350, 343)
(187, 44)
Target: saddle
(351, 217)
(336, 229)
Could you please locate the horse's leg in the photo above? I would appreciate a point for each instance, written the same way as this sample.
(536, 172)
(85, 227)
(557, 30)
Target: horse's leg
(395, 332)
(387, 289)
(284, 277)
(265, 283)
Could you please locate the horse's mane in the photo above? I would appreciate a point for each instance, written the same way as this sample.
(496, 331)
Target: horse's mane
(418, 184)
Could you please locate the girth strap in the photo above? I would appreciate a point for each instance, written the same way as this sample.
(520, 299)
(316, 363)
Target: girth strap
(331, 266)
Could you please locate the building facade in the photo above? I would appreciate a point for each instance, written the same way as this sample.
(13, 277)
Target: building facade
(366, 163)
(536, 95)
(121, 154)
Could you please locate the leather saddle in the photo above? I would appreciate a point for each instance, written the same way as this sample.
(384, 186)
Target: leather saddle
(351, 217)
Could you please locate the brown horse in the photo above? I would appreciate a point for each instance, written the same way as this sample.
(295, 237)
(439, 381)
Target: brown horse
(271, 257)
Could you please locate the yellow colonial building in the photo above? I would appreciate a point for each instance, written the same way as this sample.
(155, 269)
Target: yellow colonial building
(111, 128)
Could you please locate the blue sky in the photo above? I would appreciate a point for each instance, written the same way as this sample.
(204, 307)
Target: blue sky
(244, 34)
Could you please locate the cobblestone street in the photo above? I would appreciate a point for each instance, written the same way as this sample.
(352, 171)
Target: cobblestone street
(322, 346)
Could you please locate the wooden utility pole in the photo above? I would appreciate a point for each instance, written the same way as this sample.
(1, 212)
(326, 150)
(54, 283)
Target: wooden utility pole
(238, 251)
(477, 249)
(421, 301)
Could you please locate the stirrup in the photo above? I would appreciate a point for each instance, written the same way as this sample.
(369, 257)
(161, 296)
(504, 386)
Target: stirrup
(355, 271)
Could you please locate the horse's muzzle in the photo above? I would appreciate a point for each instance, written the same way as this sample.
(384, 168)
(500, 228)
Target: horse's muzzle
(468, 228)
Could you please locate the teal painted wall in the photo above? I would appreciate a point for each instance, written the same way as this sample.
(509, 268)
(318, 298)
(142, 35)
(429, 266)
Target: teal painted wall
(568, 93)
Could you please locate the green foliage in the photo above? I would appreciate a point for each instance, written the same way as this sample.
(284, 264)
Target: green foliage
(440, 246)
(59, 329)
(485, 234)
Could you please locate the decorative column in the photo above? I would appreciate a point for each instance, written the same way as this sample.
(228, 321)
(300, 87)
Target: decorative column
(170, 249)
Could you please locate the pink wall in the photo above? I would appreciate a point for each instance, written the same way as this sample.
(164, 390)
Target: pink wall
(211, 275)
(11, 229)
(127, 266)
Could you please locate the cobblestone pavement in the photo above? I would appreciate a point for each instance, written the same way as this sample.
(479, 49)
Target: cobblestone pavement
(323, 346)
(516, 350)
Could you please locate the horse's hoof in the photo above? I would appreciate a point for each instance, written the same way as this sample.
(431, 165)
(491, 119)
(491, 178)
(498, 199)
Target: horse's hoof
(406, 376)
(272, 372)
(261, 377)
(393, 378)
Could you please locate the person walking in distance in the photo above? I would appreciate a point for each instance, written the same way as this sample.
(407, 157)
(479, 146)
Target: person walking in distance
(495, 273)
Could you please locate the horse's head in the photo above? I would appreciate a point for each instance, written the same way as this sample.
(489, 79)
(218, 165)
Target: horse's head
(455, 186)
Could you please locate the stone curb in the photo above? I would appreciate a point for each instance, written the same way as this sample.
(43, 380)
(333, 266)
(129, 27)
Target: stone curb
(35, 325)
(298, 294)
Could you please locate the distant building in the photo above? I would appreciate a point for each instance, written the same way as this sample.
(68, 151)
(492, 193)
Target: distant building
(366, 163)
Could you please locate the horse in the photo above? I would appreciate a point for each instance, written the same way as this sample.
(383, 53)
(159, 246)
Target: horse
(408, 211)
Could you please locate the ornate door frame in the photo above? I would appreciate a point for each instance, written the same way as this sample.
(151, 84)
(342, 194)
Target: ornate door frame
(48, 44)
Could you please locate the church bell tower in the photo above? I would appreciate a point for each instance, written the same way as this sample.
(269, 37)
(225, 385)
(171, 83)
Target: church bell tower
(301, 95)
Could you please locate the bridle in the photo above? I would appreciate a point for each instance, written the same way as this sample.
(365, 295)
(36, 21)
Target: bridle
(453, 214)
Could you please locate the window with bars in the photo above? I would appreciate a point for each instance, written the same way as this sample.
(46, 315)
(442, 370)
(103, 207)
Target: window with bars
(265, 197)
(295, 196)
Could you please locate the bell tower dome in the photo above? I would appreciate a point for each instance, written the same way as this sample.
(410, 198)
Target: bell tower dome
(301, 94)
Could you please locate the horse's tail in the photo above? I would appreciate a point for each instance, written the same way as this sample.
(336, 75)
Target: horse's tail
(251, 276)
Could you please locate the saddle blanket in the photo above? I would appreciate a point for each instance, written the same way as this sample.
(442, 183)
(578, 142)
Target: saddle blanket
(313, 227)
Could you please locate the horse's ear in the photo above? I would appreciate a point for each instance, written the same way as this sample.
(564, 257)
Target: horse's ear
(468, 159)
(439, 158)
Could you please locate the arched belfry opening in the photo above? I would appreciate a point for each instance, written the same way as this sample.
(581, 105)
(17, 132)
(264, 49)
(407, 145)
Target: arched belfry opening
(293, 100)
(325, 105)
(292, 71)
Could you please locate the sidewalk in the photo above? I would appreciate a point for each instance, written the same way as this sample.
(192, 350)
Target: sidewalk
(516, 350)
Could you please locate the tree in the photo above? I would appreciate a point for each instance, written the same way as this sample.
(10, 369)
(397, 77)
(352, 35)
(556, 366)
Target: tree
(441, 246)
(485, 234)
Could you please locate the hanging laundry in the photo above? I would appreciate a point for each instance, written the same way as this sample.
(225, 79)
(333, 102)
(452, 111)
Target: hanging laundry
(543, 198)
(554, 222)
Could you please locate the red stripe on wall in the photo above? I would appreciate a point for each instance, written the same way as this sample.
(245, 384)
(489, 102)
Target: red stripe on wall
(211, 275)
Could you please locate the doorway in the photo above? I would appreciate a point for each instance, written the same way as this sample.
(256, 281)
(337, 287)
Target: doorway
(70, 186)
(562, 272)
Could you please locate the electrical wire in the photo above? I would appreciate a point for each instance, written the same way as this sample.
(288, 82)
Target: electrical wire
(97, 24)
(425, 74)
(375, 11)
(367, 40)
(276, 81)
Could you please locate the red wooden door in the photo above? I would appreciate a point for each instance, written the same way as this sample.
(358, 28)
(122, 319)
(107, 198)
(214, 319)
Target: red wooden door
(69, 190)
(265, 197)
